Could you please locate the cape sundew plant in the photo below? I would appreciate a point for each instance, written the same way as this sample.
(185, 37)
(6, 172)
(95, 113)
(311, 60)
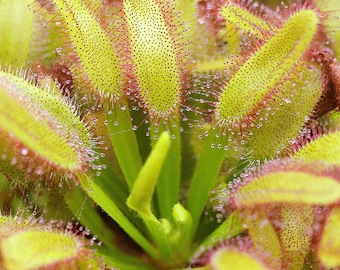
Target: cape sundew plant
(169, 134)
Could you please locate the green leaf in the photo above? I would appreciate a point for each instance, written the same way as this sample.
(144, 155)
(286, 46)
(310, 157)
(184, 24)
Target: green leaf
(142, 191)
(170, 176)
(230, 228)
(82, 208)
(98, 195)
(204, 178)
(124, 141)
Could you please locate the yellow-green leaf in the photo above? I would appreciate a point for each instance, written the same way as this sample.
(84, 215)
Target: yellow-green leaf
(39, 129)
(99, 63)
(227, 258)
(286, 112)
(16, 31)
(329, 247)
(28, 245)
(288, 187)
(326, 148)
(32, 248)
(263, 236)
(154, 56)
(267, 67)
(143, 188)
(296, 229)
(241, 18)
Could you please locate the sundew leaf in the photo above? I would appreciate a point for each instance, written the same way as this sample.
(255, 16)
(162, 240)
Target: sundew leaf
(288, 186)
(157, 65)
(331, 8)
(240, 17)
(98, 65)
(154, 56)
(326, 148)
(40, 124)
(269, 65)
(41, 247)
(263, 236)
(329, 246)
(286, 112)
(228, 258)
(16, 31)
(296, 234)
(187, 10)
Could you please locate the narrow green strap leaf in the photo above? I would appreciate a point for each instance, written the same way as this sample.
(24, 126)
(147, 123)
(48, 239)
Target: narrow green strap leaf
(142, 192)
(99, 196)
(160, 231)
(181, 238)
(81, 207)
(125, 144)
(120, 260)
(204, 178)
